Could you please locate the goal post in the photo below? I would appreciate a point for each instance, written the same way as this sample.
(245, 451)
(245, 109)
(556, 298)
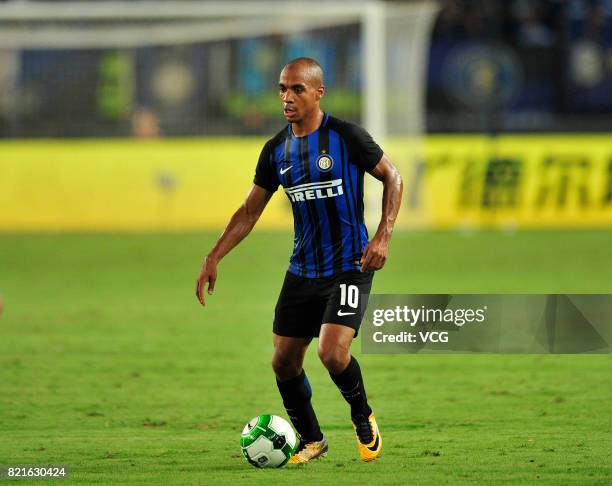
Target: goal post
(396, 41)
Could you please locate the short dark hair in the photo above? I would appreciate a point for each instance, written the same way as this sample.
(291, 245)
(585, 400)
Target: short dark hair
(315, 70)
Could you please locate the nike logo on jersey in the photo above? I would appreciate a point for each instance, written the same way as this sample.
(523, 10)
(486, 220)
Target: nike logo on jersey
(340, 313)
(315, 190)
(282, 171)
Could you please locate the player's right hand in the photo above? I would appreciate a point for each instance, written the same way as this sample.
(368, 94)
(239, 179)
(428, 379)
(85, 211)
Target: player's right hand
(208, 274)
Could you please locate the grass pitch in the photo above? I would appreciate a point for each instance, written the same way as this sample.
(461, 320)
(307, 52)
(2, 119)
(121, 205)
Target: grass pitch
(111, 367)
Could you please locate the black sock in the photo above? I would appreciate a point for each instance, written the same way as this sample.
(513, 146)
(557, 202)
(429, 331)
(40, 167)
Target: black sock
(350, 383)
(296, 393)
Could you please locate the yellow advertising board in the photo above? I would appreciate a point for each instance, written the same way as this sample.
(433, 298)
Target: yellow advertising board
(508, 181)
(182, 184)
(173, 184)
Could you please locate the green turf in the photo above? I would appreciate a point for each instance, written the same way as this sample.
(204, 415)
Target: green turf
(111, 367)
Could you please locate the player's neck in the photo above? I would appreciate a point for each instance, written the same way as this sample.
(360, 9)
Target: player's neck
(307, 125)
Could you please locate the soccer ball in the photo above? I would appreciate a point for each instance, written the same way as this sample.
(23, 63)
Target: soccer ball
(268, 441)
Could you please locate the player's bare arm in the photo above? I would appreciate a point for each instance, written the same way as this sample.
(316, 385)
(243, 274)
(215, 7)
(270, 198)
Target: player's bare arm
(376, 252)
(239, 226)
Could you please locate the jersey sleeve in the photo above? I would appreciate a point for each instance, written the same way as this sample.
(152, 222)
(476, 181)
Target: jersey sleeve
(364, 151)
(265, 175)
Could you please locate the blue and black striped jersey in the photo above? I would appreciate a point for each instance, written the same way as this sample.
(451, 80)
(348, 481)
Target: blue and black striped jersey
(322, 175)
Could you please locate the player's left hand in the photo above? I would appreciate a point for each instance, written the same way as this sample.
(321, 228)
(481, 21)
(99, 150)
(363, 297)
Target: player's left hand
(208, 274)
(375, 255)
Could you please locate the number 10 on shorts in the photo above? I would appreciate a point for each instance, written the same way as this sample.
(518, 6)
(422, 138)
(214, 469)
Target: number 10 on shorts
(349, 295)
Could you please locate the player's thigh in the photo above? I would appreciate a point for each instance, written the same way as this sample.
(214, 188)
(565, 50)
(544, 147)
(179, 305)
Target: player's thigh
(299, 310)
(347, 299)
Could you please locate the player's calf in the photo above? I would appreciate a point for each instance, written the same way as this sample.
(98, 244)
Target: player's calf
(350, 384)
(296, 394)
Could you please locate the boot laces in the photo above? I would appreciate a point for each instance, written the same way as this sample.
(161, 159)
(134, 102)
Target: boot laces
(364, 430)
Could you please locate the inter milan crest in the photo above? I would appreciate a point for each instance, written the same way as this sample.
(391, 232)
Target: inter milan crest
(325, 162)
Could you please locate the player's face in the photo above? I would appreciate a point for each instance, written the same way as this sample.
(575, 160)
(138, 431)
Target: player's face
(299, 98)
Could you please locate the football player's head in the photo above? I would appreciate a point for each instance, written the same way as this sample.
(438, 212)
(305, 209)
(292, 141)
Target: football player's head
(301, 88)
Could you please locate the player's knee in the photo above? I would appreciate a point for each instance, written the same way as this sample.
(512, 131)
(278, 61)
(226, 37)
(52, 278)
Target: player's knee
(334, 359)
(284, 366)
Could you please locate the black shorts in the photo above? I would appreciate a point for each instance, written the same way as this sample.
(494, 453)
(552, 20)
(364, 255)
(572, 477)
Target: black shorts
(306, 303)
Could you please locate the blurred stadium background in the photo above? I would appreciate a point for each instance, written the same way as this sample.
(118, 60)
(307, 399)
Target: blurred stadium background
(451, 88)
(129, 132)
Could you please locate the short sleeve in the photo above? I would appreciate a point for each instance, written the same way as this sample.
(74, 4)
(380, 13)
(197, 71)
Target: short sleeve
(265, 175)
(364, 151)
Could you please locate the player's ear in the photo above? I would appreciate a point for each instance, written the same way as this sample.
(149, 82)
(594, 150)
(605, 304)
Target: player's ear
(320, 92)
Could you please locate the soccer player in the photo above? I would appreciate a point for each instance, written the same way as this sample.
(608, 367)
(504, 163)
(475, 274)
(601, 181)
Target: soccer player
(320, 162)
